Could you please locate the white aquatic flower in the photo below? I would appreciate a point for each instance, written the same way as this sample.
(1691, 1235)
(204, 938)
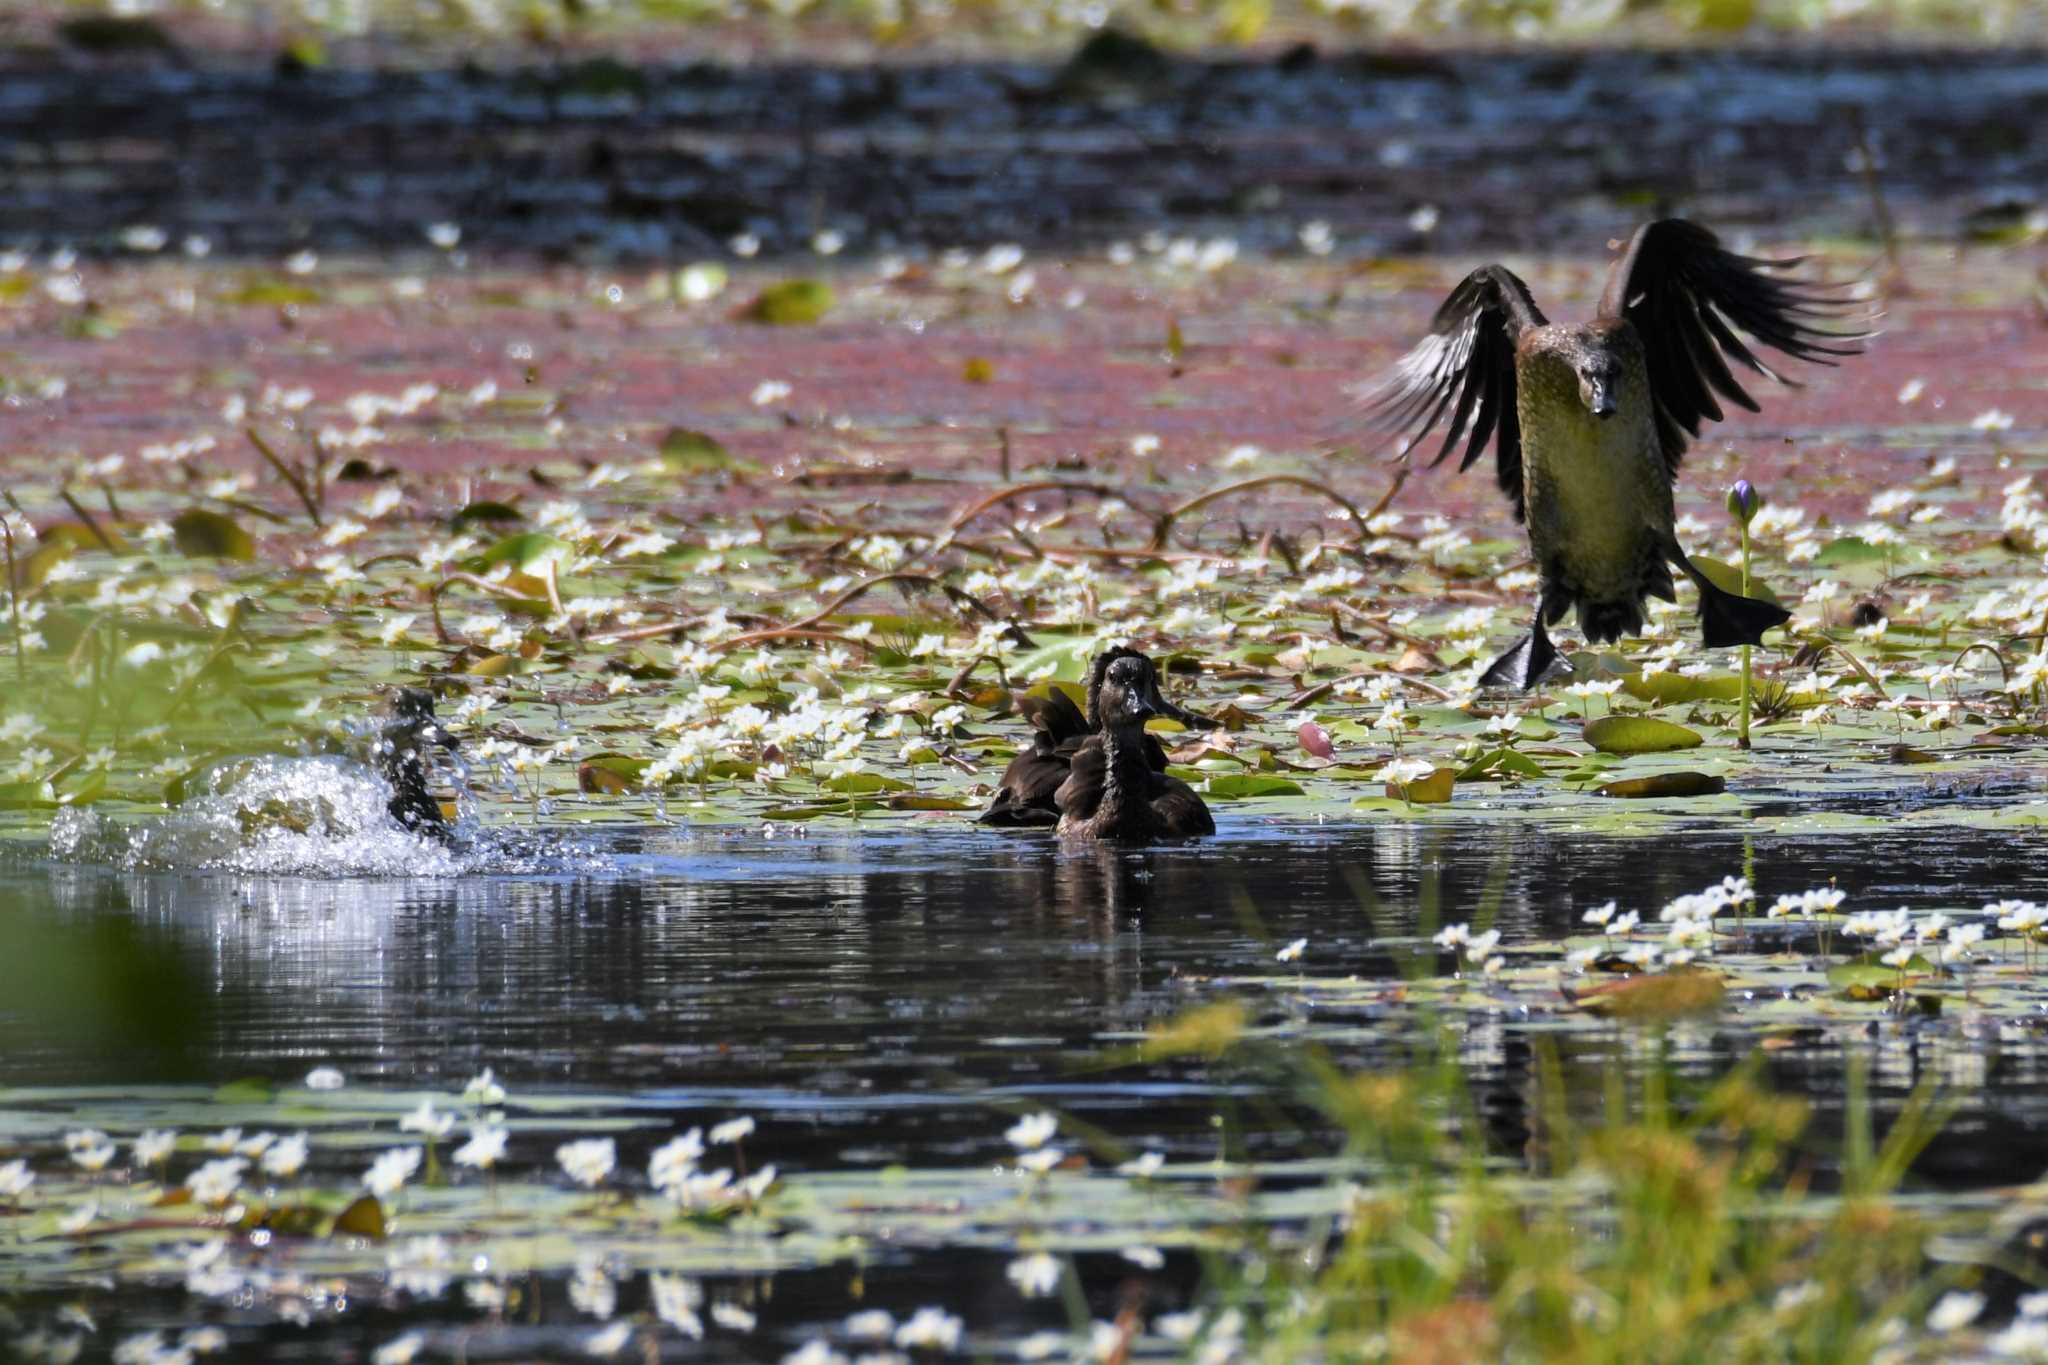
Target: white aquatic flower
(816, 1351)
(769, 391)
(485, 1148)
(444, 235)
(873, 1325)
(1955, 1309)
(930, 1329)
(1599, 914)
(482, 1088)
(733, 1318)
(1292, 952)
(154, 1145)
(1035, 1275)
(400, 1350)
(610, 1341)
(1403, 771)
(286, 1156)
(1143, 1166)
(1452, 935)
(675, 1160)
(676, 1300)
(1040, 1161)
(217, 1180)
(392, 1168)
(732, 1130)
(1032, 1131)
(1145, 1257)
(427, 1121)
(15, 1179)
(588, 1161)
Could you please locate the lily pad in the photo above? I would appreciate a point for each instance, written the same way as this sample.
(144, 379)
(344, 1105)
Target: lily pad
(1639, 735)
(792, 303)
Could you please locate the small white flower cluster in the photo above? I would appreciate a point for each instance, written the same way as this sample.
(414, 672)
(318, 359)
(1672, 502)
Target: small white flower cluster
(673, 1170)
(1477, 948)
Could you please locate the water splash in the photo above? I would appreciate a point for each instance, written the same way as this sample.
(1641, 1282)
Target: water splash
(320, 816)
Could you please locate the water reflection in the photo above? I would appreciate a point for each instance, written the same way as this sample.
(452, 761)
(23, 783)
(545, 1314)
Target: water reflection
(877, 990)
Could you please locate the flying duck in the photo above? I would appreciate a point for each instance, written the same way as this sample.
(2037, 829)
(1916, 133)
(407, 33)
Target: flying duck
(1113, 790)
(1588, 423)
(1059, 728)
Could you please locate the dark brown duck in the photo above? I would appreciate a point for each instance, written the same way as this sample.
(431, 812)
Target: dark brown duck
(1059, 728)
(1112, 791)
(409, 727)
(1589, 423)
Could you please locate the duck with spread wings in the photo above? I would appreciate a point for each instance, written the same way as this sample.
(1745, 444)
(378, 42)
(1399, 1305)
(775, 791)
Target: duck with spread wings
(1588, 423)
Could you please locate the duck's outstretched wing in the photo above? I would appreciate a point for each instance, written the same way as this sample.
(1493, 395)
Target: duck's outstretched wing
(1466, 366)
(1687, 298)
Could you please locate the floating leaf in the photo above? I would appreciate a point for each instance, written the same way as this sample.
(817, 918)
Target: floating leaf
(1639, 735)
(864, 784)
(791, 303)
(1849, 550)
(273, 293)
(1667, 689)
(1238, 786)
(977, 370)
(485, 511)
(609, 774)
(1432, 789)
(526, 551)
(211, 535)
(1728, 578)
(1176, 344)
(1867, 977)
(684, 451)
(363, 1218)
(1665, 784)
(1653, 995)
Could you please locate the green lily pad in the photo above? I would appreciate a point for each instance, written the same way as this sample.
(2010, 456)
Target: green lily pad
(1639, 735)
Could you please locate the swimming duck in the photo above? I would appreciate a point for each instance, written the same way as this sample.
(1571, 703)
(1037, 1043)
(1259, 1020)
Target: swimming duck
(1059, 728)
(1589, 423)
(400, 751)
(1112, 790)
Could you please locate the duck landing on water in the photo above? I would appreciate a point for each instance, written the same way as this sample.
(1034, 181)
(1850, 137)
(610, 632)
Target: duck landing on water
(1112, 791)
(1025, 797)
(401, 746)
(1589, 423)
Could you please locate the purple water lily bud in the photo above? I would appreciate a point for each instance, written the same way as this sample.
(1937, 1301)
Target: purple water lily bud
(1744, 502)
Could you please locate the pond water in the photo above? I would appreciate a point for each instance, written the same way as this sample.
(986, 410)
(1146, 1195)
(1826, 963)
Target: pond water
(875, 995)
(889, 997)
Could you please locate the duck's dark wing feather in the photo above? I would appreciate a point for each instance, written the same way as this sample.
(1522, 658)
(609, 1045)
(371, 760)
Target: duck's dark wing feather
(1054, 715)
(1687, 298)
(1180, 812)
(1080, 795)
(1466, 366)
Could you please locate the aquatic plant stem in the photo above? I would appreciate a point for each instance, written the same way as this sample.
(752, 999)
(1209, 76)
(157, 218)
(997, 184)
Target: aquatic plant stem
(1742, 735)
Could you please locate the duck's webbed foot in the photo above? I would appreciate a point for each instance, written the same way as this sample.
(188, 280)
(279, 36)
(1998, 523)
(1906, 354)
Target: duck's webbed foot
(1524, 665)
(1728, 618)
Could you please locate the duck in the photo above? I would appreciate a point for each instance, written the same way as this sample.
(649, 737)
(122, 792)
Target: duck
(400, 752)
(1024, 797)
(1112, 789)
(1589, 423)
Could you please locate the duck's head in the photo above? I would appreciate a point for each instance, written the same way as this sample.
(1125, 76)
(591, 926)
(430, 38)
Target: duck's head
(1592, 355)
(409, 725)
(1129, 695)
(1098, 675)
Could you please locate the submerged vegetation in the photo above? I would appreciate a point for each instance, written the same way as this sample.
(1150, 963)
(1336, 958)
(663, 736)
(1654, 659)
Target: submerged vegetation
(699, 547)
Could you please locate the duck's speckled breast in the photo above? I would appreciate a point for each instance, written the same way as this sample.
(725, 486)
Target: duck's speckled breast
(1597, 494)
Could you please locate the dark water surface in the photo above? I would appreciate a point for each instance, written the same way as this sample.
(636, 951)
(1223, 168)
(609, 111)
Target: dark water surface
(1514, 150)
(883, 996)
(896, 994)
